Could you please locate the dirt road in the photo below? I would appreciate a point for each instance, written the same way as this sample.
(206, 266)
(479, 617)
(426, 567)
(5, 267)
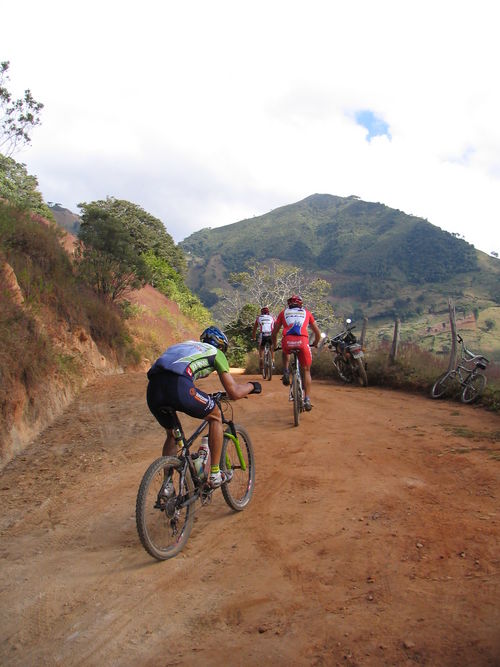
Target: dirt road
(373, 538)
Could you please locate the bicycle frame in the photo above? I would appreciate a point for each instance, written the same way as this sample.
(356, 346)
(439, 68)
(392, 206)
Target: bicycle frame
(171, 484)
(185, 445)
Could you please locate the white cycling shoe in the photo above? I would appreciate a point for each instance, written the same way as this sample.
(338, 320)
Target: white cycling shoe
(217, 479)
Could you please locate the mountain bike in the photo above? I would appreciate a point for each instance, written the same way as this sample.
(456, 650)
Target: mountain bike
(465, 373)
(296, 394)
(171, 485)
(267, 368)
(296, 391)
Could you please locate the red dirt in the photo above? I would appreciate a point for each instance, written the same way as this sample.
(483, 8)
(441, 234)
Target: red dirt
(372, 539)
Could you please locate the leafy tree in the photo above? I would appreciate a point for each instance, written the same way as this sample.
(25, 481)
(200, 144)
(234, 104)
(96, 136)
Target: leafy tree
(17, 117)
(20, 188)
(107, 257)
(147, 232)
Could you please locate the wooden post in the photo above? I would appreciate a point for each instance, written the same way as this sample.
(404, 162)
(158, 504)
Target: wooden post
(395, 341)
(453, 329)
(363, 332)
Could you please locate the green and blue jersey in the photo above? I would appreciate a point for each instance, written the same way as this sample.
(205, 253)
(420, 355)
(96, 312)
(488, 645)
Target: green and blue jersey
(191, 359)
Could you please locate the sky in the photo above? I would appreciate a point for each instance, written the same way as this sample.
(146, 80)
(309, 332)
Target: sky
(208, 112)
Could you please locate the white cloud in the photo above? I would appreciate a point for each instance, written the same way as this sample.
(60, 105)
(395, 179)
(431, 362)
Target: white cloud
(205, 113)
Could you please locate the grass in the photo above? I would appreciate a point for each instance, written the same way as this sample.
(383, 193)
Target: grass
(414, 370)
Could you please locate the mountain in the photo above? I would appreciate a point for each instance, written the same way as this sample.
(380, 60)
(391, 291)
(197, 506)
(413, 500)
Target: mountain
(65, 218)
(378, 260)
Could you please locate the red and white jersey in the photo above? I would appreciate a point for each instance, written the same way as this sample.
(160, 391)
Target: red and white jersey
(295, 321)
(265, 324)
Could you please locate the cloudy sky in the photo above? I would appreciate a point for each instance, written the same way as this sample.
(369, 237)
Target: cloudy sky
(208, 112)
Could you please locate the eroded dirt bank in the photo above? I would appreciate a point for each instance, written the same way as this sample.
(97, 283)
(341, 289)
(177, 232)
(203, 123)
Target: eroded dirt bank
(373, 538)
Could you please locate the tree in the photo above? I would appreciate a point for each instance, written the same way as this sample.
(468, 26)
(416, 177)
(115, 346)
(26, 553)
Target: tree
(147, 232)
(17, 117)
(263, 285)
(107, 257)
(20, 188)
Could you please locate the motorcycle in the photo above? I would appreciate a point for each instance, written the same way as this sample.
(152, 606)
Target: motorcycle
(348, 356)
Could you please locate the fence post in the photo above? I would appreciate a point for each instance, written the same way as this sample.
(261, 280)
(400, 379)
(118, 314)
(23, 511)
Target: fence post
(363, 332)
(453, 329)
(395, 341)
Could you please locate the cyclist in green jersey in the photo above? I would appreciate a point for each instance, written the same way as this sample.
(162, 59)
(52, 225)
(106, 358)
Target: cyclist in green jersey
(172, 383)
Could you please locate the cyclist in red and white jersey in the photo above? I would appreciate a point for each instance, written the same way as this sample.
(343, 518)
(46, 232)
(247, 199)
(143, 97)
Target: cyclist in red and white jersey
(264, 324)
(295, 320)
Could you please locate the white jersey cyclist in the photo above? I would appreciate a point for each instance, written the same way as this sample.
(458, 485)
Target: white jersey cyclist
(264, 324)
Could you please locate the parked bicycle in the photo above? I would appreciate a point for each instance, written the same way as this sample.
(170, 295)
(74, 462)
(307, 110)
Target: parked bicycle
(171, 485)
(466, 373)
(267, 368)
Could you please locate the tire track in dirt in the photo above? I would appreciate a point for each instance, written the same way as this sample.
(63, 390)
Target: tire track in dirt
(372, 538)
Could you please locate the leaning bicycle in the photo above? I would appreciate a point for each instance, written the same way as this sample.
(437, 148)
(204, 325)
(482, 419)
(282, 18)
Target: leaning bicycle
(267, 367)
(172, 485)
(467, 374)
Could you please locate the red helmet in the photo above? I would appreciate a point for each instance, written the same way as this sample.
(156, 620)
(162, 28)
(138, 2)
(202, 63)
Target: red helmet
(295, 301)
(264, 311)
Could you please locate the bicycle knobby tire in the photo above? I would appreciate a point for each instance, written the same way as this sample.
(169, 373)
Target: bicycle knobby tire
(238, 492)
(163, 525)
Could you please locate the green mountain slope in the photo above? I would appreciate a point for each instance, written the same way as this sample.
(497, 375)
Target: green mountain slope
(372, 255)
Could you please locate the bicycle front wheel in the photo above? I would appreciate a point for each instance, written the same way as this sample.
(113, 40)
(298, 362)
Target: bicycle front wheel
(239, 458)
(442, 384)
(163, 525)
(474, 387)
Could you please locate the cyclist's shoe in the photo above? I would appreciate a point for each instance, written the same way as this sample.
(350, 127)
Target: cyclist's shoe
(216, 479)
(307, 404)
(169, 490)
(286, 378)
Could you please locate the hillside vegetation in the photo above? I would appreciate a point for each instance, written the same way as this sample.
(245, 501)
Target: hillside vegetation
(71, 309)
(380, 263)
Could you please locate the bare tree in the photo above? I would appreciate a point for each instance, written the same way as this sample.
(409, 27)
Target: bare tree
(263, 285)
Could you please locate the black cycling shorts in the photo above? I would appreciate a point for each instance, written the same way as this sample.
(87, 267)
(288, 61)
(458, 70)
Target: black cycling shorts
(266, 339)
(177, 392)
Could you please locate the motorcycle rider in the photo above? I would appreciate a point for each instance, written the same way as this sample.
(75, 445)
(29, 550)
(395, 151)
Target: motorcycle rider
(265, 324)
(295, 320)
(171, 383)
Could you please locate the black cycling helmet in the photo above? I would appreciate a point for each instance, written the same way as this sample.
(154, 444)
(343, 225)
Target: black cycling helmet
(215, 337)
(295, 301)
(264, 311)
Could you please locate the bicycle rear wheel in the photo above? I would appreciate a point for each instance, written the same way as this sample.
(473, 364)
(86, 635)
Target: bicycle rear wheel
(268, 364)
(361, 372)
(297, 397)
(238, 492)
(442, 384)
(163, 526)
(474, 387)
